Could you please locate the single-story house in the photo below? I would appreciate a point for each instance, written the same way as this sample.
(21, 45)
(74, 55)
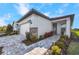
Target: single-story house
(38, 23)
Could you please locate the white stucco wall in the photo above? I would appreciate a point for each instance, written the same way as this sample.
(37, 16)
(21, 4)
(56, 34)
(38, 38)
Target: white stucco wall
(24, 28)
(59, 28)
(68, 27)
(44, 25)
(25, 20)
(41, 23)
(24, 25)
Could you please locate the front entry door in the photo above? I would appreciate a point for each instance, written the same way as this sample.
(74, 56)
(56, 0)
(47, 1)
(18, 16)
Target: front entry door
(55, 28)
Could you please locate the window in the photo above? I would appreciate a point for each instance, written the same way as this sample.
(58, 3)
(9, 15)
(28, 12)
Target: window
(34, 30)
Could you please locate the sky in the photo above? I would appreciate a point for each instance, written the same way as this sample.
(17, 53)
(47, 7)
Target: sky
(10, 12)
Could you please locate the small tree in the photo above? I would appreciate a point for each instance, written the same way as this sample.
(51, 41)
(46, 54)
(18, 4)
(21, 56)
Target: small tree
(9, 29)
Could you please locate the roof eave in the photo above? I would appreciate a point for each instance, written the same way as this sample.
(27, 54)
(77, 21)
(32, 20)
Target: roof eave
(71, 18)
(33, 11)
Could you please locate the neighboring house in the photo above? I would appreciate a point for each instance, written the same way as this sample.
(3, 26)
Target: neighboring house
(16, 26)
(37, 23)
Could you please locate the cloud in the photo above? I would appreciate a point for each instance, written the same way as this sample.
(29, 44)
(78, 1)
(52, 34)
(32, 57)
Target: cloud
(7, 16)
(2, 22)
(4, 18)
(58, 12)
(22, 8)
(62, 9)
(51, 15)
(47, 13)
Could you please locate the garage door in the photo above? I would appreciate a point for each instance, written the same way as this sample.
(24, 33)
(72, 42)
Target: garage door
(24, 28)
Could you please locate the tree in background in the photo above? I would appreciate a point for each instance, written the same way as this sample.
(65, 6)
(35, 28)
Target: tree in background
(9, 29)
(2, 29)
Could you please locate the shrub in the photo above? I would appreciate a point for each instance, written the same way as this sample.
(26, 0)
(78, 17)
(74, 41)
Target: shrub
(28, 35)
(41, 37)
(31, 37)
(34, 38)
(51, 33)
(60, 44)
(62, 39)
(64, 36)
(56, 50)
(48, 34)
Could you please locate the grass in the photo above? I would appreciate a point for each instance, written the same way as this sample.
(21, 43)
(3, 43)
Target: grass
(73, 48)
(76, 32)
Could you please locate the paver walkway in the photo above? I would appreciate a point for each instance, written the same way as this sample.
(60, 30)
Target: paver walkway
(43, 46)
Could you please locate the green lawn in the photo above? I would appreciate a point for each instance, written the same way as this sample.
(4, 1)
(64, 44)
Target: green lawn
(73, 48)
(76, 32)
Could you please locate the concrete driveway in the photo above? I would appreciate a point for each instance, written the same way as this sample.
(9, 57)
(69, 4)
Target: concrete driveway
(12, 45)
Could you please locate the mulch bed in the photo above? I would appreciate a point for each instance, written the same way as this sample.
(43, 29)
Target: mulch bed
(29, 42)
(2, 35)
